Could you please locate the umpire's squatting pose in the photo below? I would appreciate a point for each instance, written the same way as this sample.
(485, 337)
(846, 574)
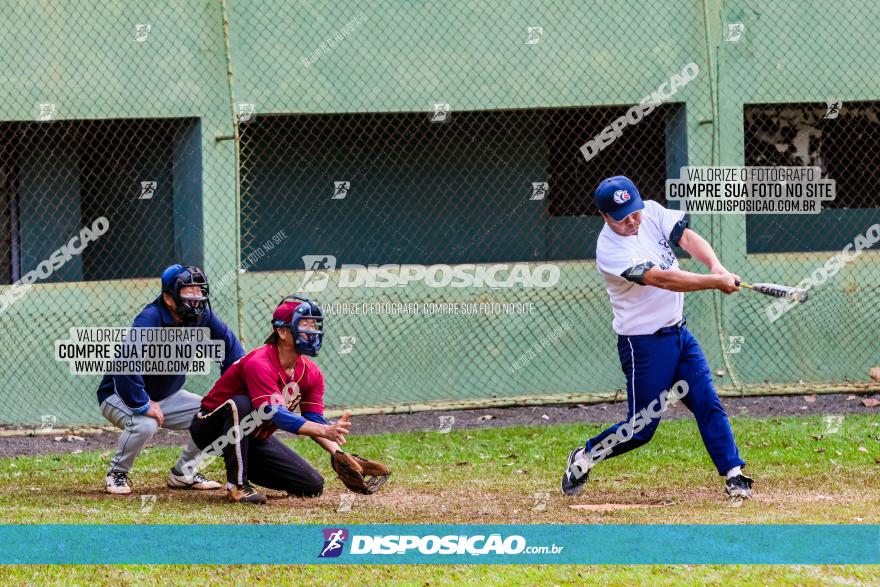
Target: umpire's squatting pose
(634, 255)
(277, 375)
(141, 404)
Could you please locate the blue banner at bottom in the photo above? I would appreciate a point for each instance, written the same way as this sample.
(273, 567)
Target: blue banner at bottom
(440, 544)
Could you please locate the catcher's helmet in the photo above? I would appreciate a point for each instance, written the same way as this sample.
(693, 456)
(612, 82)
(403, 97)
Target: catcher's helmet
(191, 309)
(290, 312)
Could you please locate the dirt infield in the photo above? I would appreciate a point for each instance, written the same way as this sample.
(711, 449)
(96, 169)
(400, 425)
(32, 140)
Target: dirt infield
(757, 407)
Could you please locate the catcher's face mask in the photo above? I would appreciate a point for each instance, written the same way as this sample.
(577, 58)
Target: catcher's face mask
(306, 323)
(188, 287)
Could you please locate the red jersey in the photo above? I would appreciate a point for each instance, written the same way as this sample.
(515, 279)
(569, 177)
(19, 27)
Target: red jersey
(259, 375)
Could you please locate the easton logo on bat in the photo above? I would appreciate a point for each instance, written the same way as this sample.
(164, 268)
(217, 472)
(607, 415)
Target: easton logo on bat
(777, 291)
(771, 290)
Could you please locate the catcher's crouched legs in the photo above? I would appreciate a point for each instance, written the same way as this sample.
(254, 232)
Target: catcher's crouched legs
(207, 430)
(273, 464)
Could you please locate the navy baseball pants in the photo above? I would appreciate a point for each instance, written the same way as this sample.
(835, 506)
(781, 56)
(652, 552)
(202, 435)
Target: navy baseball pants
(267, 462)
(652, 363)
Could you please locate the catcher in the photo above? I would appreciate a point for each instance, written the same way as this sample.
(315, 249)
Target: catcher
(258, 395)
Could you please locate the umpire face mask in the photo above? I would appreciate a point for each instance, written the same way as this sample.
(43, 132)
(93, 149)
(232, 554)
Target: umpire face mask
(188, 287)
(192, 305)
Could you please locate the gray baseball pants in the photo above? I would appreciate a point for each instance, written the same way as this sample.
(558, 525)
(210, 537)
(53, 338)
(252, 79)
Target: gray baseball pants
(138, 429)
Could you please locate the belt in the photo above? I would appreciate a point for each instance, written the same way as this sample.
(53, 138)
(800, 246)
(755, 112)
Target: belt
(673, 328)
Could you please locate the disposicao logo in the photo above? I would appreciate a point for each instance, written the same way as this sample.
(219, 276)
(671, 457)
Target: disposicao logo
(432, 544)
(334, 541)
(408, 544)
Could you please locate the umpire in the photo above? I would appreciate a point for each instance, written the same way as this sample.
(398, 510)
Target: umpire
(141, 404)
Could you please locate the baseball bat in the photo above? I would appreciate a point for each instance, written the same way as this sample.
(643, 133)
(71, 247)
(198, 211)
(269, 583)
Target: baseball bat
(777, 291)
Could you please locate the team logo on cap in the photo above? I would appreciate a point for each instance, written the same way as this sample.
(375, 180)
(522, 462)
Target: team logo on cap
(621, 196)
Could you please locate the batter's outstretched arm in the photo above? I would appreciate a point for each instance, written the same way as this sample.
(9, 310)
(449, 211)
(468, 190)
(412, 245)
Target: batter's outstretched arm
(683, 281)
(700, 249)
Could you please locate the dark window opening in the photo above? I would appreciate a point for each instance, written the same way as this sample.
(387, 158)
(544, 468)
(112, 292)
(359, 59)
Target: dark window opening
(639, 153)
(843, 140)
(143, 175)
(459, 191)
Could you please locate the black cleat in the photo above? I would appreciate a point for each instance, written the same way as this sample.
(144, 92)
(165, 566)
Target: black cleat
(576, 474)
(739, 486)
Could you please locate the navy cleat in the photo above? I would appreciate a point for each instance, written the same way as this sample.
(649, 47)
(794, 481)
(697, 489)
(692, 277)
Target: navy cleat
(576, 473)
(739, 486)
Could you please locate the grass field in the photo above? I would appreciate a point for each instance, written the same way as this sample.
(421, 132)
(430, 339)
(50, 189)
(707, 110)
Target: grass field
(803, 474)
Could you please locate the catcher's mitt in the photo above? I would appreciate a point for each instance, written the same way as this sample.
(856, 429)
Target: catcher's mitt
(359, 474)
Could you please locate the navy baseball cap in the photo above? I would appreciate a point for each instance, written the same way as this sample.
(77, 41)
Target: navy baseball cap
(618, 197)
(170, 274)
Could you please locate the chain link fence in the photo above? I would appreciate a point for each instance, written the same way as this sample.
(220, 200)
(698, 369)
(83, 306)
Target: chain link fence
(421, 171)
(111, 112)
(796, 97)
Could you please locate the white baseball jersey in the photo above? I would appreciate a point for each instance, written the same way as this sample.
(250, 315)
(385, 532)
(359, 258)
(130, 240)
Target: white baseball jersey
(641, 309)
